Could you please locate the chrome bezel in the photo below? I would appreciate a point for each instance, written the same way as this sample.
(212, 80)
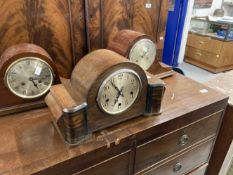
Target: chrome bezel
(132, 50)
(6, 79)
(107, 79)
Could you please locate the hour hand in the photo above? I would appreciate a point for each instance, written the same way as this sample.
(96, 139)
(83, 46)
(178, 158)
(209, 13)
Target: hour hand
(115, 87)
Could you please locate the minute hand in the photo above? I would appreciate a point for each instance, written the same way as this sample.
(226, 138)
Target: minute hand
(115, 87)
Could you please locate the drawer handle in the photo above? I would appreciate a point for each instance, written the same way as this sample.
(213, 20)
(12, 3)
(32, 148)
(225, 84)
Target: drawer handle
(177, 167)
(217, 56)
(201, 42)
(184, 139)
(199, 54)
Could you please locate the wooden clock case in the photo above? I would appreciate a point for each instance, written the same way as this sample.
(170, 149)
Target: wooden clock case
(83, 87)
(124, 41)
(12, 103)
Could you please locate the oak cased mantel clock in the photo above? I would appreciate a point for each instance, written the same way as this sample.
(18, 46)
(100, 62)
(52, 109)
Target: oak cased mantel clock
(105, 89)
(27, 72)
(140, 49)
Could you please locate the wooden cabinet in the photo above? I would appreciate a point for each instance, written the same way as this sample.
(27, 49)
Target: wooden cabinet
(208, 53)
(179, 141)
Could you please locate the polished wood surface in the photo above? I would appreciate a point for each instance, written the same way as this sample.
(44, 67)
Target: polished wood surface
(104, 20)
(30, 144)
(45, 23)
(222, 83)
(210, 54)
(199, 171)
(158, 149)
(10, 55)
(97, 71)
(187, 161)
(125, 40)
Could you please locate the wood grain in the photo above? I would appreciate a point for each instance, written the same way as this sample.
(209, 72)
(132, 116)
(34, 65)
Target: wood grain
(30, 144)
(105, 20)
(42, 22)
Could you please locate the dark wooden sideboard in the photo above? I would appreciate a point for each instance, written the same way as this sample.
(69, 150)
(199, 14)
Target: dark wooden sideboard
(179, 141)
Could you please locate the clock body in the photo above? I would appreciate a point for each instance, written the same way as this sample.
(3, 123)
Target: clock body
(105, 89)
(114, 88)
(140, 49)
(27, 72)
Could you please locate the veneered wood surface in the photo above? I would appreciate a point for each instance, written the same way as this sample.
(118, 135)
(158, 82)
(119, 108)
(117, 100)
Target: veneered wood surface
(30, 143)
(224, 84)
(105, 20)
(200, 170)
(12, 54)
(189, 160)
(42, 22)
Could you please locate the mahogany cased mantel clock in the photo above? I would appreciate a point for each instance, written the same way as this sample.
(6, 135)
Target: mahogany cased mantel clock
(27, 72)
(105, 89)
(140, 49)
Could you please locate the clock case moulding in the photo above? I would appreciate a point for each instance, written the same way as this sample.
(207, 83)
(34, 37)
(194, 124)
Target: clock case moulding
(9, 102)
(125, 40)
(73, 104)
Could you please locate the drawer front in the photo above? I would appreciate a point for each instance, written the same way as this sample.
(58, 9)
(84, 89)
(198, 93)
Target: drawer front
(199, 171)
(205, 43)
(118, 165)
(156, 150)
(184, 163)
(203, 56)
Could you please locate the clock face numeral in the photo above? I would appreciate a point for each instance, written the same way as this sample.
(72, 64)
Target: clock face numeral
(143, 53)
(119, 91)
(29, 77)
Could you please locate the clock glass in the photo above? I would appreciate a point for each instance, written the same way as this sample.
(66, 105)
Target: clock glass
(29, 77)
(119, 91)
(143, 53)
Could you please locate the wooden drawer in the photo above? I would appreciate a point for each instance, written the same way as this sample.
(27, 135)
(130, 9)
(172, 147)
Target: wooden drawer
(156, 150)
(199, 171)
(205, 43)
(118, 165)
(202, 56)
(185, 162)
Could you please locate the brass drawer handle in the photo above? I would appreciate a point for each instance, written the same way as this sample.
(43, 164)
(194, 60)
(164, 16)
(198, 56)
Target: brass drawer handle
(177, 167)
(199, 54)
(201, 42)
(184, 139)
(217, 56)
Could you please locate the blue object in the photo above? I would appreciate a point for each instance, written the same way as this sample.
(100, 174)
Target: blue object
(174, 32)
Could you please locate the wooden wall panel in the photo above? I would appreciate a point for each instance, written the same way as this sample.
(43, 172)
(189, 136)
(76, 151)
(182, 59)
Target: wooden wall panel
(107, 17)
(78, 29)
(43, 22)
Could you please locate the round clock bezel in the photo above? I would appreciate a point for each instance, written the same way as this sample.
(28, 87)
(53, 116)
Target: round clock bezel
(135, 44)
(124, 70)
(6, 79)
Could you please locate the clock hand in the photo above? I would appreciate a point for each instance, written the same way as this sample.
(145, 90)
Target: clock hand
(115, 87)
(118, 96)
(34, 83)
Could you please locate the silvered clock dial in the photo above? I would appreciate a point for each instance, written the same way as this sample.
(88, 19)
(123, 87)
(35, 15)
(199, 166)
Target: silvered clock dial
(29, 77)
(119, 91)
(143, 53)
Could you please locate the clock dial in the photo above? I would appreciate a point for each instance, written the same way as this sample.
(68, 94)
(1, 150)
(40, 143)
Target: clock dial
(143, 53)
(119, 91)
(29, 77)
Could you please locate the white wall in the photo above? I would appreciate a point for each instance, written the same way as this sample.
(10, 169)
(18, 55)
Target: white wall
(196, 12)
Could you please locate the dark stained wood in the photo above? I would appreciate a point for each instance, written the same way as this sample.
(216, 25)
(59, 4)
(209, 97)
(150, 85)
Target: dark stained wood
(121, 164)
(79, 29)
(13, 103)
(156, 150)
(188, 160)
(42, 22)
(105, 20)
(97, 71)
(30, 144)
(125, 40)
(222, 83)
